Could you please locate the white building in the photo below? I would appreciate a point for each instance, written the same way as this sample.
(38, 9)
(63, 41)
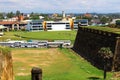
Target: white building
(38, 25)
(114, 21)
(58, 25)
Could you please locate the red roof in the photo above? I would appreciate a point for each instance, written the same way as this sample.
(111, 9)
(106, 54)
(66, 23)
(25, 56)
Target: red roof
(8, 22)
(87, 15)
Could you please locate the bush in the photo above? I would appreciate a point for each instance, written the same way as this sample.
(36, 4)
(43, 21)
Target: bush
(5, 50)
(118, 23)
(112, 25)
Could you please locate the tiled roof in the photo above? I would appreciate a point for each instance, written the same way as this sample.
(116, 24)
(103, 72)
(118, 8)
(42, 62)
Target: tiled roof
(8, 22)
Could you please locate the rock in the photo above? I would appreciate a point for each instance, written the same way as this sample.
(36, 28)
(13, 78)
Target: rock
(6, 66)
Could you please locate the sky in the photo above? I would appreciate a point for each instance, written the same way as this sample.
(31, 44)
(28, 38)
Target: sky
(57, 6)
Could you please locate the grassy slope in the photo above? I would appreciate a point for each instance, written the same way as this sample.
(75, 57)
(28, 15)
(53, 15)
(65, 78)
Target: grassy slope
(56, 64)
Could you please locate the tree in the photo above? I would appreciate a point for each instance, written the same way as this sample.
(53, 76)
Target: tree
(10, 15)
(34, 16)
(18, 13)
(107, 54)
(118, 23)
(112, 25)
(104, 20)
(31, 14)
(1, 16)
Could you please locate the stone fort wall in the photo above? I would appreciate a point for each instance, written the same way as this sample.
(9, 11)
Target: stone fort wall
(89, 41)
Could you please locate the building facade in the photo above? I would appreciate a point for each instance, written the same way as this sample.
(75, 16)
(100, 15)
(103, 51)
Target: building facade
(39, 25)
(13, 25)
(34, 25)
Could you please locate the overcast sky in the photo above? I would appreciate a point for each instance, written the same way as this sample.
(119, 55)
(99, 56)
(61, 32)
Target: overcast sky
(57, 6)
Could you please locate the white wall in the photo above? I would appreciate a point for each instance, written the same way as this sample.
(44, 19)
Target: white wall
(58, 27)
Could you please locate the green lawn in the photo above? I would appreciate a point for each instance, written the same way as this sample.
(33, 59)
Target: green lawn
(41, 35)
(49, 35)
(114, 30)
(57, 64)
(9, 35)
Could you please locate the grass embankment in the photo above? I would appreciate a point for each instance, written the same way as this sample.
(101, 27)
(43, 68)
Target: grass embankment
(107, 29)
(57, 64)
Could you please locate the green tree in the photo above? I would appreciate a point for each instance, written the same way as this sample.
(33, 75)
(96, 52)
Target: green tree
(104, 20)
(10, 15)
(118, 23)
(1, 16)
(17, 13)
(32, 13)
(107, 54)
(34, 16)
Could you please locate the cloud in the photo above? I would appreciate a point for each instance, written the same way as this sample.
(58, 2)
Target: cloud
(59, 5)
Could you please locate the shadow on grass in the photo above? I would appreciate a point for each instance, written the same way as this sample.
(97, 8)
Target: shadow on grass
(94, 78)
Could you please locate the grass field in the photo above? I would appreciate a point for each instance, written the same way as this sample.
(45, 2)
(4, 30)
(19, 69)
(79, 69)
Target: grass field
(57, 64)
(49, 35)
(9, 35)
(42, 35)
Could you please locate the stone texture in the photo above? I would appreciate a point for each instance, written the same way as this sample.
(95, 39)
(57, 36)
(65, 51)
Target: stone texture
(89, 41)
(6, 67)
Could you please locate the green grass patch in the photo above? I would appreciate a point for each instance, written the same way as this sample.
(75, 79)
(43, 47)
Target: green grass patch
(42, 35)
(49, 35)
(57, 64)
(10, 36)
(5, 50)
(108, 29)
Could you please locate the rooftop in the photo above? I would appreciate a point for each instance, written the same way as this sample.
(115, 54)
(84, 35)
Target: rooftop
(8, 22)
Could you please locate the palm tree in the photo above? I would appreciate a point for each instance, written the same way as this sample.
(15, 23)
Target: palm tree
(107, 54)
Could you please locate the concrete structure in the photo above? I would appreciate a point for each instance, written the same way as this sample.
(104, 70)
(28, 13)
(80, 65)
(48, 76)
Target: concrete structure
(63, 13)
(13, 25)
(88, 43)
(39, 25)
(58, 25)
(35, 25)
(36, 44)
(114, 21)
(82, 22)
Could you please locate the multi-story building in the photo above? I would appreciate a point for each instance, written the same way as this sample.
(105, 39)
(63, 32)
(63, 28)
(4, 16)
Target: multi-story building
(34, 25)
(58, 25)
(37, 25)
(82, 22)
(13, 25)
